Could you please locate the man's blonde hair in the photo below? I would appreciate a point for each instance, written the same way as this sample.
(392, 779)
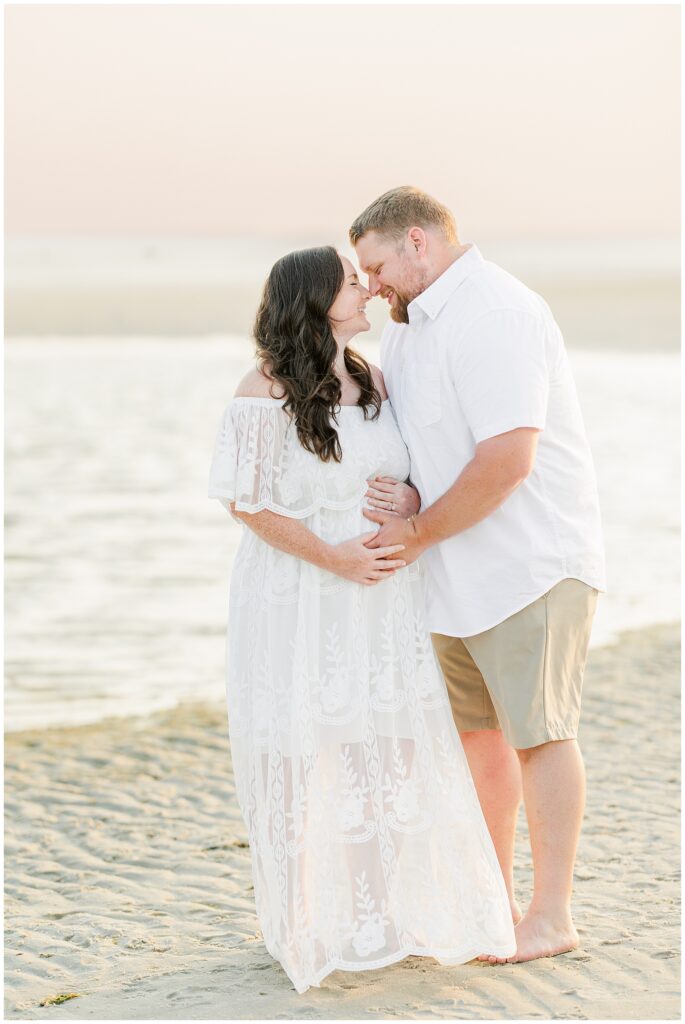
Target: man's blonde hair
(393, 213)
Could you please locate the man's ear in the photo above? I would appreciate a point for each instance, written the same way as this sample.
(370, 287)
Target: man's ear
(417, 240)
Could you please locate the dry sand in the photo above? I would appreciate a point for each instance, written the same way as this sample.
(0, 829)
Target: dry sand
(128, 875)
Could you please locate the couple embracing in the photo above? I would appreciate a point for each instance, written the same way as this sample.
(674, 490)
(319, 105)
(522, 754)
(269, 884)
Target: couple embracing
(410, 603)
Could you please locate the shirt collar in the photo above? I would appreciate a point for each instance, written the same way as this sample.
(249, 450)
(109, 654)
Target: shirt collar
(436, 294)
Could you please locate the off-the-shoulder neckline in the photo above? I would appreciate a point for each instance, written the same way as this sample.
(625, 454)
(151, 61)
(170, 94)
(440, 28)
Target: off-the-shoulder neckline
(258, 400)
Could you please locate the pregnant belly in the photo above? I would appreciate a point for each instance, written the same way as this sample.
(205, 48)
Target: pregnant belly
(279, 578)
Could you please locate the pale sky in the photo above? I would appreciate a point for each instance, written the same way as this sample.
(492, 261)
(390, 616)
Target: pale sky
(528, 121)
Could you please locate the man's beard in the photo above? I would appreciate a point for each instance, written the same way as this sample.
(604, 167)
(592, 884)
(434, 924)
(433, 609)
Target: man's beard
(398, 309)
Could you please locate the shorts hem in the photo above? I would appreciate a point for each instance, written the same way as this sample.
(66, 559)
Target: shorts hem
(567, 735)
(477, 724)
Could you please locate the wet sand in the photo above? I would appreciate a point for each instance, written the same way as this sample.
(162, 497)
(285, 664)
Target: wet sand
(621, 315)
(128, 875)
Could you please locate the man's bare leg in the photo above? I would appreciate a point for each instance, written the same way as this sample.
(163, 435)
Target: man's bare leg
(554, 794)
(497, 776)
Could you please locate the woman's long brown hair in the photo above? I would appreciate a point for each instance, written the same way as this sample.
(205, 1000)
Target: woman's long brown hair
(295, 345)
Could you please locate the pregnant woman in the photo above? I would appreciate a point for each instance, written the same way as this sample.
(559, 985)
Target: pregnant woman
(367, 839)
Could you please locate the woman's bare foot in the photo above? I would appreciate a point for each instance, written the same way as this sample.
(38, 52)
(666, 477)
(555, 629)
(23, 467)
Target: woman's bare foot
(538, 935)
(516, 916)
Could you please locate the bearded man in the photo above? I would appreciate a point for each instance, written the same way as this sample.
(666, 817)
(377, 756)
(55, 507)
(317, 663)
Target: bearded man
(509, 531)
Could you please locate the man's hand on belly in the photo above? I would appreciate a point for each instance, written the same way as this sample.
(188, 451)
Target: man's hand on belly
(394, 530)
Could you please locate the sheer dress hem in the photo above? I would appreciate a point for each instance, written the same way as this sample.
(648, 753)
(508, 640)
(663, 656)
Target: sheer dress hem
(445, 957)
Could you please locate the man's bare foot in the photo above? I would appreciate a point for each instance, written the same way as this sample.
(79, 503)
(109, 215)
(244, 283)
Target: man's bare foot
(516, 916)
(538, 936)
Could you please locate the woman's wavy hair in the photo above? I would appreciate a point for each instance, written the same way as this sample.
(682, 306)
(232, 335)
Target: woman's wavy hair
(294, 337)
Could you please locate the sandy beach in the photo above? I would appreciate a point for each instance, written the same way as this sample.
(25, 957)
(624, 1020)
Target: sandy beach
(128, 876)
(160, 160)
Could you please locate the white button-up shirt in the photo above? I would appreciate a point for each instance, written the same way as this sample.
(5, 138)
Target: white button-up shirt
(481, 355)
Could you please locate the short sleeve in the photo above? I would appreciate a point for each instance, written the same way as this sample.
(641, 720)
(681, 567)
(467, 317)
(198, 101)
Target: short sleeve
(500, 371)
(258, 463)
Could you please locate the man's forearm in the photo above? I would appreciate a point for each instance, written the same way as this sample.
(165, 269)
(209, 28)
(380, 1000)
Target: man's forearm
(476, 493)
(289, 535)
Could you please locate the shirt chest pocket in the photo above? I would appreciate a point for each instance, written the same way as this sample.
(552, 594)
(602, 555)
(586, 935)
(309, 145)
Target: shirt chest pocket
(424, 402)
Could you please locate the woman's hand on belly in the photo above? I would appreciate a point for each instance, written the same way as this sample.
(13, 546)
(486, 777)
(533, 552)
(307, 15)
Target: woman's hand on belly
(393, 496)
(354, 561)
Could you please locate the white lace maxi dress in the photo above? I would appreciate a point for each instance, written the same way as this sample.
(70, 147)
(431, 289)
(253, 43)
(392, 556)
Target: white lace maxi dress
(368, 842)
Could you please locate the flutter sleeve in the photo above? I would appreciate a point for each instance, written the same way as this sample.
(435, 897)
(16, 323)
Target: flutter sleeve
(258, 463)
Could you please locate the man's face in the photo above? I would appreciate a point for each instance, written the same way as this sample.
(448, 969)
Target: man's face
(394, 269)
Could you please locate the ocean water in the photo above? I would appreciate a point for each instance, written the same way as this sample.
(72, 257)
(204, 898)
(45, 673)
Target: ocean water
(605, 293)
(117, 563)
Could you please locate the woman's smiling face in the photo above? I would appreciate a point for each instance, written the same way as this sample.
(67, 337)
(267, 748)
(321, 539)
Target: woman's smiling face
(347, 314)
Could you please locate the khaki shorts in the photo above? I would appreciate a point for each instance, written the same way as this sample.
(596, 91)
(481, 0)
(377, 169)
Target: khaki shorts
(525, 675)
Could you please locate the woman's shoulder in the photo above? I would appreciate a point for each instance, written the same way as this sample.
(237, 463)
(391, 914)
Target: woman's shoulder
(258, 384)
(377, 375)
